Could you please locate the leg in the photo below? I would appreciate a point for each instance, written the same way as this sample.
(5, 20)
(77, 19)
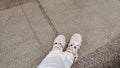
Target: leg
(55, 58)
(68, 59)
(71, 52)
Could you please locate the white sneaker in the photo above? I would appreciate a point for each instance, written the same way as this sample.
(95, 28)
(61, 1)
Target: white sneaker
(59, 42)
(74, 44)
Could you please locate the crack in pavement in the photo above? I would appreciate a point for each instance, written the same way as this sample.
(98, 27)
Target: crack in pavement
(47, 18)
(35, 35)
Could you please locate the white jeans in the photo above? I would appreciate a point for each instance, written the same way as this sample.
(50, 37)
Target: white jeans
(57, 59)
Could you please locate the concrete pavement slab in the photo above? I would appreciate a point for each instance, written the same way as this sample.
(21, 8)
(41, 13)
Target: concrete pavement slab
(25, 36)
(18, 46)
(39, 25)
(96, 20)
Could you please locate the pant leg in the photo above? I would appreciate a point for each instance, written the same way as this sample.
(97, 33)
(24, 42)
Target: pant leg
(69, 58)
(55, 59)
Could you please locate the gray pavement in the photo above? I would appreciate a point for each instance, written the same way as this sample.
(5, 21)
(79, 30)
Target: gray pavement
(28, 28)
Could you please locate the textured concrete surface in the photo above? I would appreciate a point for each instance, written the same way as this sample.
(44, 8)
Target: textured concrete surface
(28, 27)
(107, 56)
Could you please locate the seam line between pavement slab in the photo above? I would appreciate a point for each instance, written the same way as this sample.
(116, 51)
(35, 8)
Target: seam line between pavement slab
(35, 35)
(47, 18)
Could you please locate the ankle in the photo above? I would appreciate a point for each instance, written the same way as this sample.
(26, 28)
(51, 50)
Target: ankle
(58, 46)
